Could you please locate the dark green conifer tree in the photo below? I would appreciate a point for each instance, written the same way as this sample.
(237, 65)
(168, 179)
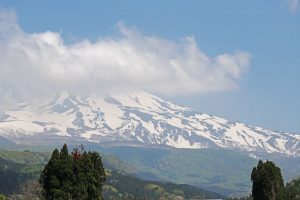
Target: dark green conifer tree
(267, 182)
(78, 176)
(49, 178)
(81, 168)
(65, 174)
(97, 175)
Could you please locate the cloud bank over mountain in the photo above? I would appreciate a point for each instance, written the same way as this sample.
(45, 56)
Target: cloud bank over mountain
(35, 64)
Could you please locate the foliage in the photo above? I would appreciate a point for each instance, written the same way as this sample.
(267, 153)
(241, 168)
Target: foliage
(2, 197)
(293, 190)
(267, 182)
(12, 176)
(242, 198)
(79, 175)
(25, 157)
(217, 170)
(119, 185)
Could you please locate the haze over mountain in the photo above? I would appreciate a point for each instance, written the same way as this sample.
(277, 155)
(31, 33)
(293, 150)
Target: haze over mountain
(137, 118)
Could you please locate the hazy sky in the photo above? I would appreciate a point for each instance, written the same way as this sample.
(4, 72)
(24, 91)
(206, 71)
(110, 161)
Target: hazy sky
(235, 59)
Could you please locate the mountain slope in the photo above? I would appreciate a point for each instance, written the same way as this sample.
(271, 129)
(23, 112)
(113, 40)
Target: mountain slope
(137, 118)
(225, 172)
(19, 173)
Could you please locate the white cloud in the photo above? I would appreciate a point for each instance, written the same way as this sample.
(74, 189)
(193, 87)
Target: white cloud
(293, 5)
(35, 64)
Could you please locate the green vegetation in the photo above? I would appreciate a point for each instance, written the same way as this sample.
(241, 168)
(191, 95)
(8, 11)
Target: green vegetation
(293, 190)
(13, 176)
(242, 198)
(2, 197)
(222, 171)
(19, 179)
(79, 175)
(267, 182)
(25, 157)
(20, 172)
(124, 186)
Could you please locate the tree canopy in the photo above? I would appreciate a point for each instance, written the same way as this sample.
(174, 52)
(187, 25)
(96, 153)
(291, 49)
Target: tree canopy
(78, 175)
(2, 197)
(293, 190)
(267, 182)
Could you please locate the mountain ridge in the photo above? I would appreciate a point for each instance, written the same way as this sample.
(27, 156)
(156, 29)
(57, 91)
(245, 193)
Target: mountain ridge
(137, 117)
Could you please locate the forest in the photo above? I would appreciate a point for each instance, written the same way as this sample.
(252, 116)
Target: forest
(22, 175)
(80, 174)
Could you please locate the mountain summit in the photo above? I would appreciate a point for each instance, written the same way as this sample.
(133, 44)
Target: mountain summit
(137, 118)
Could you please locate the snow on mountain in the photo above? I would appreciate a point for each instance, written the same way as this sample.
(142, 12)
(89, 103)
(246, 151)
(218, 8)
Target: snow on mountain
(137, 117)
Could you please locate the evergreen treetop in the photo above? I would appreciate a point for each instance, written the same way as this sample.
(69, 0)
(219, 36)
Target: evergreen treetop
(79, 175)
(267, 182)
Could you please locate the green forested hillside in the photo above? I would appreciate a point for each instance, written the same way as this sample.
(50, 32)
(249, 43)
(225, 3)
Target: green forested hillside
(19, 172)
(19, 169)
(120, 185)
(11, 176)
(293, 189)
(223, 171)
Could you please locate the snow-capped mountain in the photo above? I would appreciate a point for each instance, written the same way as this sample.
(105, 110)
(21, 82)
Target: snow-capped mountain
(137, 117)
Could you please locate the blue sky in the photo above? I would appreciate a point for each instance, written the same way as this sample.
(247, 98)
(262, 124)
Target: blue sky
(269, 31)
